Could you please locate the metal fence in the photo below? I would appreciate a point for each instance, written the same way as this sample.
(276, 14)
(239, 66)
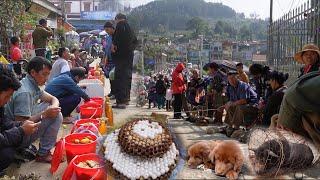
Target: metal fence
(288, 34)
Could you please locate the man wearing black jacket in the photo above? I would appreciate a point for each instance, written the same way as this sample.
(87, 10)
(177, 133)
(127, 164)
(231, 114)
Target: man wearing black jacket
(124, 42)
(11, 132)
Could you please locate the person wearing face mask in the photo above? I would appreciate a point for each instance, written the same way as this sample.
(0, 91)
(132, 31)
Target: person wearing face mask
(310, 57)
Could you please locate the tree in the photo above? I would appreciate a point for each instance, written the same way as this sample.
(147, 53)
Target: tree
(12, 17)
(198, 26)
(245, 33)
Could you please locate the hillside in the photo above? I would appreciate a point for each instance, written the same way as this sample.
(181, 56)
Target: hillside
(173, 14)
(214, 20)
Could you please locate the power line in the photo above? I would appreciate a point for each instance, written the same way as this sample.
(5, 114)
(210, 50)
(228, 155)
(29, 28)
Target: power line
(280, 7)
(291, 5)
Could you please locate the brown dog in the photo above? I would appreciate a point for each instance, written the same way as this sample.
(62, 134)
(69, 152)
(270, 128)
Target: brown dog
(199, 153)
(227, 158)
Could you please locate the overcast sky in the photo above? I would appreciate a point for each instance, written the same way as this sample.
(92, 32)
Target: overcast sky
(260, 7)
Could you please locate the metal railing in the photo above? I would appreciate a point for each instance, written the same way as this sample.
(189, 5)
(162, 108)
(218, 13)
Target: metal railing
(288, 34)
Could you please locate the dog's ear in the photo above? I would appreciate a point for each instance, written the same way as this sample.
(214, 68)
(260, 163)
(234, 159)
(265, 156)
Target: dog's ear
(211, 156)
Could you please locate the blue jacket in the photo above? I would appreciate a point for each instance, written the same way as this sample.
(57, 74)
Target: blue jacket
(107, 49)
(64, 85)
(242, 91)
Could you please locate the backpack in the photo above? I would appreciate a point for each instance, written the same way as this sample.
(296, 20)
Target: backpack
(304, 93)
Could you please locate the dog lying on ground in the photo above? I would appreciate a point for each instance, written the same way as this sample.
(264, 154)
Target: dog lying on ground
(227, 158)
(199, 153)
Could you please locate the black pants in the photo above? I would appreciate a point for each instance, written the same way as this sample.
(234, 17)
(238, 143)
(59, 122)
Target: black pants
(6, 157)
(40, 52)
(112, 87)
(177, 106)
(123, 78)
(68, 104)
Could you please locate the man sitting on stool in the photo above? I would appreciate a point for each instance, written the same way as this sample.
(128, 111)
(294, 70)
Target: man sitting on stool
(242, 101)
(64, 87)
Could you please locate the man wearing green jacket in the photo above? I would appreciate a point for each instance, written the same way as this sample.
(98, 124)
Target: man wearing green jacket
(41, 37)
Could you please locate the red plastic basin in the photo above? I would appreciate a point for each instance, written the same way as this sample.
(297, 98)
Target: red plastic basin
(92, 111)
(73, 149)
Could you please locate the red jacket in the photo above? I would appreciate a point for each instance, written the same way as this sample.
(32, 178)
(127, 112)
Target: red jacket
(178, 83)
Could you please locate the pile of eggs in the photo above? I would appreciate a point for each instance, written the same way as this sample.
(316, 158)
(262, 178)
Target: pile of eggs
(145, 138)
(147, 129)
(135, 167)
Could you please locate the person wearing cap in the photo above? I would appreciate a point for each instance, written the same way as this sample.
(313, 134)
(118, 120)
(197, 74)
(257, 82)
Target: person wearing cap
(124, 42)
(310, 57)
(215, 92)
(241, 105)
(108, 63)
(41, 36)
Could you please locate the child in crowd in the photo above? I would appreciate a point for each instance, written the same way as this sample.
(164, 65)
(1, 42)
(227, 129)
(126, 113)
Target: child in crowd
(161, 92)
(152, 91)
(168, 98)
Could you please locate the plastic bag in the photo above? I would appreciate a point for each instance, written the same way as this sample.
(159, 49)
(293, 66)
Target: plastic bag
(111, 74)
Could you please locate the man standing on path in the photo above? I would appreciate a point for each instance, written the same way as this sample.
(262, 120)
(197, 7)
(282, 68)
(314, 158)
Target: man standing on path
(41, 37)
(109, 64)
(124, 43)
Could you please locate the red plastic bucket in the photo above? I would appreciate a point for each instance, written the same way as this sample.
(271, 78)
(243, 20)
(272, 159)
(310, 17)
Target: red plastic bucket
(82, 122)
(98, 173)
(73, 149)
(99, 100)
(91, 111)
(89, 173)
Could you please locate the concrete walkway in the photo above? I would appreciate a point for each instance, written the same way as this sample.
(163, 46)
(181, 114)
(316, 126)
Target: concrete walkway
(185, 132)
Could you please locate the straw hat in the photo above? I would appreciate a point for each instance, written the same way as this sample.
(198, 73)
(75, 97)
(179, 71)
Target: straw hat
(307, 47)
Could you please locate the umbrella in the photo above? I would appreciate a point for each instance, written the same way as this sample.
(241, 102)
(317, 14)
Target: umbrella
(230, 65)
(95, 32)
(102, 33)
(72, 33)
(84, 34)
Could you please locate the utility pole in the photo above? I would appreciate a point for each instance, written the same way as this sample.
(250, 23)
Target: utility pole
(200, 54)
(271, 8)
(142, 56)
(63, 10)
(270, 38)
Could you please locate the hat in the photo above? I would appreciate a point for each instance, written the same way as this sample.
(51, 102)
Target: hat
(307, 47)
(232, 72)
(108, 24)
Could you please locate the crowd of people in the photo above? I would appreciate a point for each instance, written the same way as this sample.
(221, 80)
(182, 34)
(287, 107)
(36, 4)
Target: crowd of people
(35, 107)
(246, 101)
(29, 112)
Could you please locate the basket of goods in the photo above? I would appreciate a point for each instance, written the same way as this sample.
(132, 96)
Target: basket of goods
(140, 149)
